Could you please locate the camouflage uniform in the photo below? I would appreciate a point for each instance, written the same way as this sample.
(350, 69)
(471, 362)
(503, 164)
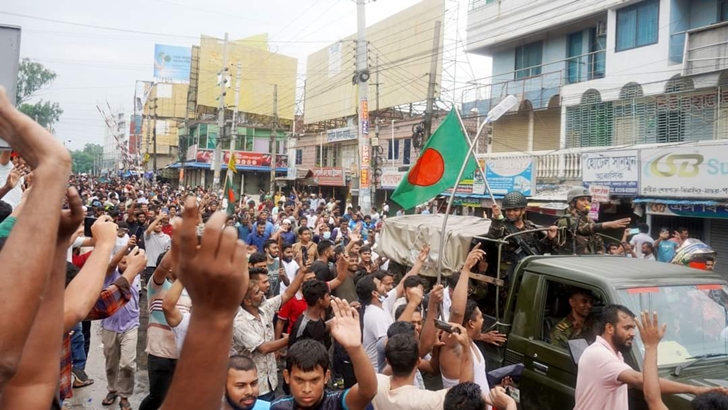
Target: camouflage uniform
(564, 331)
(537, 243)
(587, 241)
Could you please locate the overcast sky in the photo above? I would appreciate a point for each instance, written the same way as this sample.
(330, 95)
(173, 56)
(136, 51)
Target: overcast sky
(95, 65)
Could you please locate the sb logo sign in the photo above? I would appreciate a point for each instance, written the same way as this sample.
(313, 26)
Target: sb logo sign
(680, 165)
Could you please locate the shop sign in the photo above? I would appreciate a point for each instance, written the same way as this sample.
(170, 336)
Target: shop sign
(599, 193)
(511, 174)
(329, 176)
(685, 172)
(390, 178)
(618, 170)
(694, 211)
(341, 134)
(594, 211)
(243, 158)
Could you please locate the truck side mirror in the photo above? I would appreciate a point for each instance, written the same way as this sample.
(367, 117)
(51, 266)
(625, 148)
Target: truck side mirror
(576, 349)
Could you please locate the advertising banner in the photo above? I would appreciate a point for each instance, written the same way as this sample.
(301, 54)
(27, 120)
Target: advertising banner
(329, 176)
(341, 134)
(685, 172)
(511, 174)
(694, 211)
(618, 170)
(599, 193)
(242, 158)
(172, 63)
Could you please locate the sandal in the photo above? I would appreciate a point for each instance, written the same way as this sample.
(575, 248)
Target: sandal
(124, 404)
(78, 383)
(110, 398)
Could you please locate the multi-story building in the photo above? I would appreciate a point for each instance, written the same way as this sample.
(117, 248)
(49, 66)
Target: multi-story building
(115, 142)
(628, 94)
(163, 111)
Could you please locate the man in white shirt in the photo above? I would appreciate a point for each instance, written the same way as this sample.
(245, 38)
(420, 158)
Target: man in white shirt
(640, 238)
(607, 388)
(290, 266)
(376, 319)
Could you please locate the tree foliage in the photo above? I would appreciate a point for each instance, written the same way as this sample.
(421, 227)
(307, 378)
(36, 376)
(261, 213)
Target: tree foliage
(83, 160)
(33, 77)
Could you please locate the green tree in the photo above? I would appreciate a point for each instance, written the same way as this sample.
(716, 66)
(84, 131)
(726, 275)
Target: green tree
(33, 77)
(83, 160)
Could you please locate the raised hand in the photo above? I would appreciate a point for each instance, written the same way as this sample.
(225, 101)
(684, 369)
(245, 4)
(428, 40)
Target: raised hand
(72, 217)
(104, 230)
(13, 178)
(436, 296)
(216, 273)
(136, 260)
(475, 256)
(415, 295)
(496, 211)
(650, 330)
(424, 253)
(494, 337)
(345, 325)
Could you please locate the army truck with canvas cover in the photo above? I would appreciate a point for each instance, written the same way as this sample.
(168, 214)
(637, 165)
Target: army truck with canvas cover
(693, 303)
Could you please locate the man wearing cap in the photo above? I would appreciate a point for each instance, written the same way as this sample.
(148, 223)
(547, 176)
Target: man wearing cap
(578, 233)
(287, 234)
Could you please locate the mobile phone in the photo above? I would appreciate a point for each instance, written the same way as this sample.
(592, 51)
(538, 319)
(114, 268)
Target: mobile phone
(634, 231)
(304, 254)
(139, 232)
(445, 327)
(88, 222)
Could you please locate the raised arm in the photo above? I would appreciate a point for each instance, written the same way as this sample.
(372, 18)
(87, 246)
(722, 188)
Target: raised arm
(296, 284)
(116, 259)
(460, 293)
(36, 380)
(342, 272)
(345, 330)
(421, 258)
(169, 304)
(216, 277)
(429, 333)
(84, 289)
(651, 333)
(37, 225)
(152, 224)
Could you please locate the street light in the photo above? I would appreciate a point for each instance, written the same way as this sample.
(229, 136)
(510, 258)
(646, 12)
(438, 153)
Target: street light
(475, 111)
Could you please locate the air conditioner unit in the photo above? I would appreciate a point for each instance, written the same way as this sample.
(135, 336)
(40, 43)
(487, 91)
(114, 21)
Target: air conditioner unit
(601, 28)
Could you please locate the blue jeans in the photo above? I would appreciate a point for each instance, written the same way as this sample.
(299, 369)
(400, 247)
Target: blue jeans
(78, 354)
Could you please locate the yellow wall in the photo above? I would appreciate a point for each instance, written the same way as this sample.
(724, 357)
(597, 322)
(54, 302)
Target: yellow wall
(404, 45)
(261, 69)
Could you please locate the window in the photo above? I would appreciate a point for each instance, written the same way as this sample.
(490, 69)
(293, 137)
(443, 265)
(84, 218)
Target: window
(637, 25)
(299, 156)
(407, 151)
(723, 10)
(597, 54)
(573, 67)
(393, 151)
(330, 156)
(558, 307)
(528, 60)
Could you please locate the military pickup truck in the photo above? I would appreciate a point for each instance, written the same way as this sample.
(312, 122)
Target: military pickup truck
(535, 298)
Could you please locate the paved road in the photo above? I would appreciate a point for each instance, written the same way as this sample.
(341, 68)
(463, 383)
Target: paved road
(90, 397)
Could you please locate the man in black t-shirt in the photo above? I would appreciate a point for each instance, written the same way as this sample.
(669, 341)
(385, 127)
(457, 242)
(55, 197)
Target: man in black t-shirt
(311, 325)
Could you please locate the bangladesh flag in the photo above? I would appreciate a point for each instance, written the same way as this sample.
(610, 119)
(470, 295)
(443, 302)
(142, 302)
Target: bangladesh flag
(230, 194)
(437, 167)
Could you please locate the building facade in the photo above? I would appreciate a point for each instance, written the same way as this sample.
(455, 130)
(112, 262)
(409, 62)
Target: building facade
(115, 142)
(639, 87)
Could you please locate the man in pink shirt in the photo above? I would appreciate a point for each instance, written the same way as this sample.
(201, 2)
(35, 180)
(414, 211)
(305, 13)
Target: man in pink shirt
(604, 383)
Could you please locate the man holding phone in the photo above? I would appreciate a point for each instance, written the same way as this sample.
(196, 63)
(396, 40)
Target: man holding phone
(664, 247)
(156, 243)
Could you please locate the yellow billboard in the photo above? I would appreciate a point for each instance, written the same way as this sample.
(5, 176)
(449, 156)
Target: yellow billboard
(261, 71)
(400, 50)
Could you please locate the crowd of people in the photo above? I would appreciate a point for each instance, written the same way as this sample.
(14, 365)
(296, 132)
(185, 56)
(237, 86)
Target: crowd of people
(282, 302)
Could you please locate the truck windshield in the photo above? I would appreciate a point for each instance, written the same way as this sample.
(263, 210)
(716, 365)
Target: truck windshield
(696, 318)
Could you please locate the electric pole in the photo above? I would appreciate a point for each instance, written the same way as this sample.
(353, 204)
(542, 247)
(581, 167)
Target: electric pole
(234, 128)
(273, 141)
(217, 157)
(432, 83)
(362, 78)
(154, 142)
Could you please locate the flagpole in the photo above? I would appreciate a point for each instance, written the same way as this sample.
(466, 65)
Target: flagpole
(482, 173)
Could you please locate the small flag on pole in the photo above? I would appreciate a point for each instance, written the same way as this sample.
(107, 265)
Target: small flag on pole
(231, 164)
(229, 194)
(437, 167)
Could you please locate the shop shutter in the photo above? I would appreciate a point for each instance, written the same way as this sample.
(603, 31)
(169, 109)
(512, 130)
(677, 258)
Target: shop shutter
(546, 129)
(510, 133)
(719, 242)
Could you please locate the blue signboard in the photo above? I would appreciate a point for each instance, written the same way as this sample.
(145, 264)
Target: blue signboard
(172, 62)
(688, 210)
(510, 174)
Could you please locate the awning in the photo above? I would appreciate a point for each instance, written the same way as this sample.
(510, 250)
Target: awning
(301, 173)
(677, 201)
(204, 165)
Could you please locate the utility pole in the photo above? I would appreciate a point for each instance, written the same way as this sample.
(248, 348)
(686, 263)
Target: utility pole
(375, 142)
(432, 83)
(273, 141)
(362, 78)
(154, 142)
(234, 127)
(217, 157)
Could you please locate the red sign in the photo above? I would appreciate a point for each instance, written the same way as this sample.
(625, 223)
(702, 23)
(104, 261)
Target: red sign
(242, 158)
(329, 176)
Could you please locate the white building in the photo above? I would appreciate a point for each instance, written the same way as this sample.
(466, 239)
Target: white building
(646, 78)
(115, 134)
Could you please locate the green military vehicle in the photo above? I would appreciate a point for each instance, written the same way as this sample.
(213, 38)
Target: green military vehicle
(693, 303)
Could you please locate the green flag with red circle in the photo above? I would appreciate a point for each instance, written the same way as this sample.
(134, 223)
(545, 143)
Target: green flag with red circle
(437, 168)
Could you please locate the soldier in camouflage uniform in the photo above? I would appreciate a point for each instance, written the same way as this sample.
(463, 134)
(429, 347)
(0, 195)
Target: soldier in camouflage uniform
(578, 233)
(573, 326)
(534, 243)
